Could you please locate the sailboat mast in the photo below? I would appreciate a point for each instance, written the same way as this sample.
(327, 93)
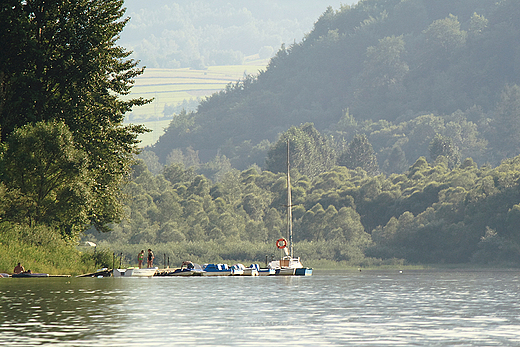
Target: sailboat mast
(289, 205)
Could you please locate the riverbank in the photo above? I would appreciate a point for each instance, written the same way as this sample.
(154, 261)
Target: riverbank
(41, 250)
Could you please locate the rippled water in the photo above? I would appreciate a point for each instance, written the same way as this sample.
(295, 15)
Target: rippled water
(416, 308)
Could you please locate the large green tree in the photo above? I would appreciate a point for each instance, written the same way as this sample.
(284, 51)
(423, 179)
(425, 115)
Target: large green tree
(47, 177)
(60, 61)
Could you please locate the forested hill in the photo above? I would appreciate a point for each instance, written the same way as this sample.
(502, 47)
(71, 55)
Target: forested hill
(402, 72)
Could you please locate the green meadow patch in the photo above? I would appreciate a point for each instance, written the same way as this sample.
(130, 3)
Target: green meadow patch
(173, 86)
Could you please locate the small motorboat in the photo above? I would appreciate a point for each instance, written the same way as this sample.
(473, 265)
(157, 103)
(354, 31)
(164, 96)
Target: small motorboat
(237, 270)
(191, 269)
(216, 270)
(252, 270)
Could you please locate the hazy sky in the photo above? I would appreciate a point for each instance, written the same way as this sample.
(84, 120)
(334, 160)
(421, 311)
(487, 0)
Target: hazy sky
(166, 33)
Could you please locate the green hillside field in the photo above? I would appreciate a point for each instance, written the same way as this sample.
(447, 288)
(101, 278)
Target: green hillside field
(172, 86)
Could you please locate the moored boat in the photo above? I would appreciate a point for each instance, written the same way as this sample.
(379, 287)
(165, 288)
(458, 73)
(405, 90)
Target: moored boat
(216, 270)
(148, 272)
(29, 274)
(304, 271)
(237, 270)
(187, 269)
(240, 269)
(288, 265)
(252, 270)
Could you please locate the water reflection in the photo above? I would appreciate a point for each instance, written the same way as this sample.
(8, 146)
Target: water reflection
(328, 309)
(35, 311)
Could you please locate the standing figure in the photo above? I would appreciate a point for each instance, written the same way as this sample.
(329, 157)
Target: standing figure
(140, 258)
(150, 258)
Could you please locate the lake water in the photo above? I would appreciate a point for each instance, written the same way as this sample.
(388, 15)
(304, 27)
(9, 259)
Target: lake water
(383, 308)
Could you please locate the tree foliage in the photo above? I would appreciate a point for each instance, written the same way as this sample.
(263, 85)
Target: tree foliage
(62, 64)
(49, 175)
(428, 214)
(443, 146)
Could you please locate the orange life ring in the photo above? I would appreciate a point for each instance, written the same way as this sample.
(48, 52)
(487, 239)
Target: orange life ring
(281, 243)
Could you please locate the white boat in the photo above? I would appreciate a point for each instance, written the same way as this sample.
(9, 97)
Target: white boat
(134, 272)
(288, 265)
(266, 272)
(216, 270)
(237, 270)
(252, 270)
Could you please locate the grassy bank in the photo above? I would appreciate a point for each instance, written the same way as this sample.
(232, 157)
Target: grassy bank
(41, 249)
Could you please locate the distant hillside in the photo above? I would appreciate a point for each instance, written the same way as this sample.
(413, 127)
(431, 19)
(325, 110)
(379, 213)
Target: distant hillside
(174, 90)
(401, 72)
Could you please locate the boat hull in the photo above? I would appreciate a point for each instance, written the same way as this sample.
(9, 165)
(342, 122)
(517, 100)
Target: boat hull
(250, 272)
(216, 273)
(185, 273)
(27, 275)
(285, 272)
(266, 272)
(144, 272)
(289, 267)
(216, 270)
(305, 271)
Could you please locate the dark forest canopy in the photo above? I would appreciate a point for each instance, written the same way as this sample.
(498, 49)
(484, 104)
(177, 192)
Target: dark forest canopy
(400, 72)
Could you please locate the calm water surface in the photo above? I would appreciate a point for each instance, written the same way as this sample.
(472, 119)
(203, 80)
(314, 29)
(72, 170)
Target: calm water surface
(414, 308)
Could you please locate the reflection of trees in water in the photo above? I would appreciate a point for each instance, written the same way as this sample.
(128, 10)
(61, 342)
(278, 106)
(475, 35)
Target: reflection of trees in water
(62, 309)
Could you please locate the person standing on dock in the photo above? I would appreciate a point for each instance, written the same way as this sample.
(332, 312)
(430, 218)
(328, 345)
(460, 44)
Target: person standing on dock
(150, 258)
(140, 258)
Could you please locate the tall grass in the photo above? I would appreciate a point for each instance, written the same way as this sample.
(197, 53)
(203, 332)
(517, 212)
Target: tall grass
(40, 249)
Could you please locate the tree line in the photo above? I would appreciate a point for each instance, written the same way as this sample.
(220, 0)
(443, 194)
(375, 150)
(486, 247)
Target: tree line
(431, 213)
